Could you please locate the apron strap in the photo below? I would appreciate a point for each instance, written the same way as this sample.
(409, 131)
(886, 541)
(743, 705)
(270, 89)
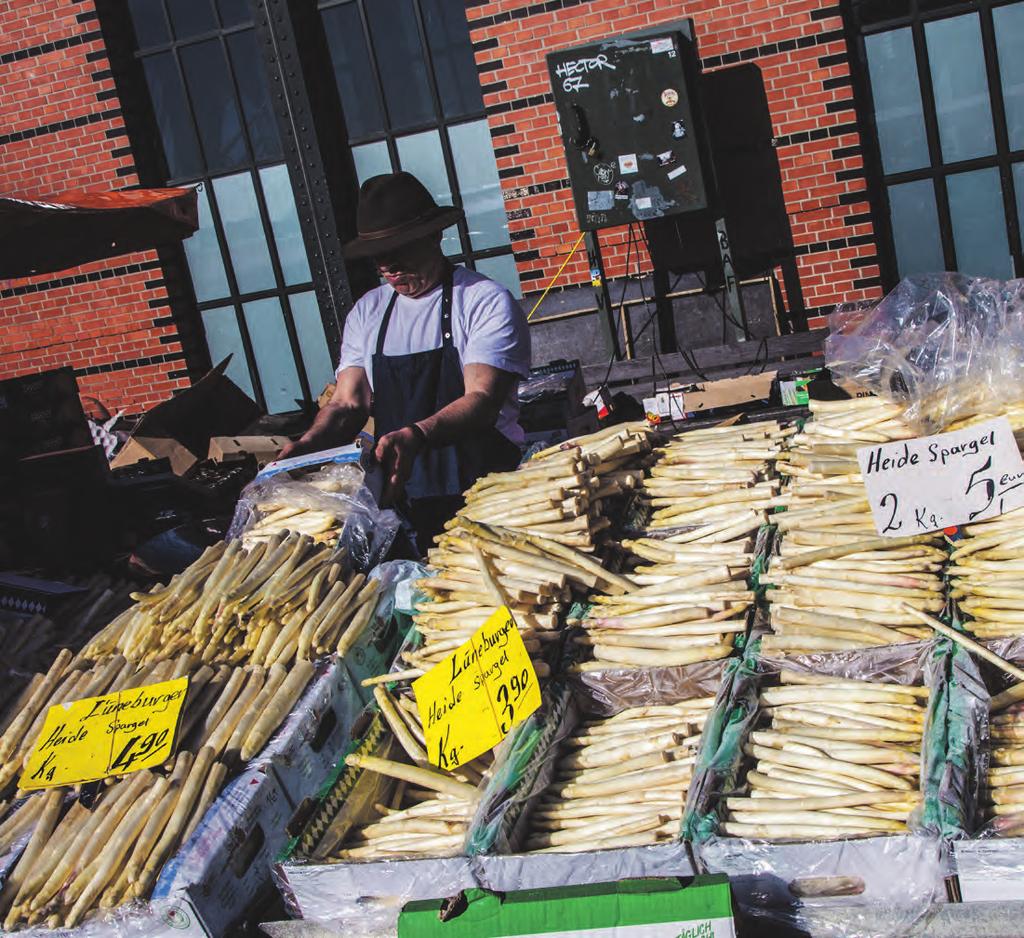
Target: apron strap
(446, 312)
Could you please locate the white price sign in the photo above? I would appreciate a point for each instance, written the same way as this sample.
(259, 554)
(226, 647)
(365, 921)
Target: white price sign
(935, 482)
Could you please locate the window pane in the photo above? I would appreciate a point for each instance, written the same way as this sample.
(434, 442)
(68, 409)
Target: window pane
(962, 107)
(223, 338)
(420, 154)
(243, 229)
(273, 354)
(149, 22)
(371, 160)
(343, 27)
(1009, 26)
(204, 259)
(284, 220)
(171, 109)
(979, 224)
(234, 12)
(897, 96)
(503, 270)
(310, 329)
(915, 228)
(210, 88)
(191, 17)
(458, 82)
(477, 172)
(254, 94)
(396, 42)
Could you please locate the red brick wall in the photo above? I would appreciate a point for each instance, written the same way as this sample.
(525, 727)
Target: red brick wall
(800, 49)
(62, 129)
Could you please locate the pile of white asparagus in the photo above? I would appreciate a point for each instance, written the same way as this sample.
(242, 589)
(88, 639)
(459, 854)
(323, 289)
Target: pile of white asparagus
(526, 540)
(621, 781)
(838, 758)
(286, 600)
(1005, 791)
(82, 857)
(708, 491)
(986, 573)
(837, 585)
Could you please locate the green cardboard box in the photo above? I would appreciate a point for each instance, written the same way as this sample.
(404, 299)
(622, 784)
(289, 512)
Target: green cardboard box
(633, 908)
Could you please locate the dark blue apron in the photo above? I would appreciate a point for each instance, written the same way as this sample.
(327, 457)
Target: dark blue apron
(412, 387)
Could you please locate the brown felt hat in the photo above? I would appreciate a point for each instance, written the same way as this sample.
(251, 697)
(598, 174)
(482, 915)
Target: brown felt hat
(394, 210)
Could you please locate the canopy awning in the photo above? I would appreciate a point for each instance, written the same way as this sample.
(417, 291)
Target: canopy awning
(38, 237)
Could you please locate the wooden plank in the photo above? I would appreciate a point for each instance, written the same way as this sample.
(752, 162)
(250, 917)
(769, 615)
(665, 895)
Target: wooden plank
(643, 388)
(708, 359)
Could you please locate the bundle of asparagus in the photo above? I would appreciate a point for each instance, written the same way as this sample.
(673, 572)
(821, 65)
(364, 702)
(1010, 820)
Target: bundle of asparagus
(621, 781)
(557, 494)
(1006, 772)
(429, 811)
(708, 490)
(314, 505)
(985, 575)
(837, 585)
(82, 856)
(838, 758)
(231, 710)
(284, 600)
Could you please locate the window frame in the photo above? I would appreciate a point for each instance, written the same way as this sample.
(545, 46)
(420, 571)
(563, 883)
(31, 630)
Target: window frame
(235, 297)
(918, 14)
(440, 122)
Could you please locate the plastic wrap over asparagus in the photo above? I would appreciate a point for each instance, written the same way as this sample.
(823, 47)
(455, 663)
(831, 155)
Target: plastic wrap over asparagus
(708, 491)
(837, 585)
(837, 758)
(288, 599)
(621, 781)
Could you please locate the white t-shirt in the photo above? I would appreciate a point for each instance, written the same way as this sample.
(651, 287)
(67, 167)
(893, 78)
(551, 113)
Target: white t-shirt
(488, 328)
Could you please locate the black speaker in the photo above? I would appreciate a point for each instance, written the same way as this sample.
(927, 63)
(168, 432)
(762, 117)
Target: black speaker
(748, 183)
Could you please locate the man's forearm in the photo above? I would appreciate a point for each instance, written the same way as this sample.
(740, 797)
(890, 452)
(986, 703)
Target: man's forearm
(473, 412)
(336, 424)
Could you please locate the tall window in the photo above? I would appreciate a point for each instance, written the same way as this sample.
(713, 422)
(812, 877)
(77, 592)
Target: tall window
(411, 95)
(947, 89)
(248, 261)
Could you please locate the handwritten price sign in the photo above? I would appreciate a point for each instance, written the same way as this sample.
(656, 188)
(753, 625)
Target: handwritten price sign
(470, 701)
(935, 482)
(115, 734)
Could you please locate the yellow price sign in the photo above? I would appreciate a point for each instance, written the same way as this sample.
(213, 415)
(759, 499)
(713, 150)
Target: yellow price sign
(471, 700)
(95, 737)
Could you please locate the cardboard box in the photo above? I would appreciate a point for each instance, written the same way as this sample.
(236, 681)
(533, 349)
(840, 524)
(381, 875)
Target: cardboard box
(634, 908)
(225, 867)
(990, 870)
(180, 429)
(41, 413)
(264, 448)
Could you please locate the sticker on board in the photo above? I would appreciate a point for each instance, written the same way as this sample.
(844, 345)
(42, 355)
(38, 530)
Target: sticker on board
(600, 200)
(628, 163)
(661, 45)
(670, 97)
(643, 203)
(677, 172)
(604, 173)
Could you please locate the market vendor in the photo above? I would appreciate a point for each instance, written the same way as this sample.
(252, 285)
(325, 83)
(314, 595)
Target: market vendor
(434, 354)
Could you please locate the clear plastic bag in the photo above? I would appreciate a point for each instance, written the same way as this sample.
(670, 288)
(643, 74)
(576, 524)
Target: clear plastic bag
(331, 503)
(945, 345)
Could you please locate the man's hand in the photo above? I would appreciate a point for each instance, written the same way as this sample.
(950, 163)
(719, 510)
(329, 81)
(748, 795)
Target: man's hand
(339, 420)
(396, 452)
(298, 447)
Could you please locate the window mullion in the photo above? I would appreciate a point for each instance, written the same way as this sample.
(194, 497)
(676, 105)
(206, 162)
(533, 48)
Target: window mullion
(371, 53)
(931, 126)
